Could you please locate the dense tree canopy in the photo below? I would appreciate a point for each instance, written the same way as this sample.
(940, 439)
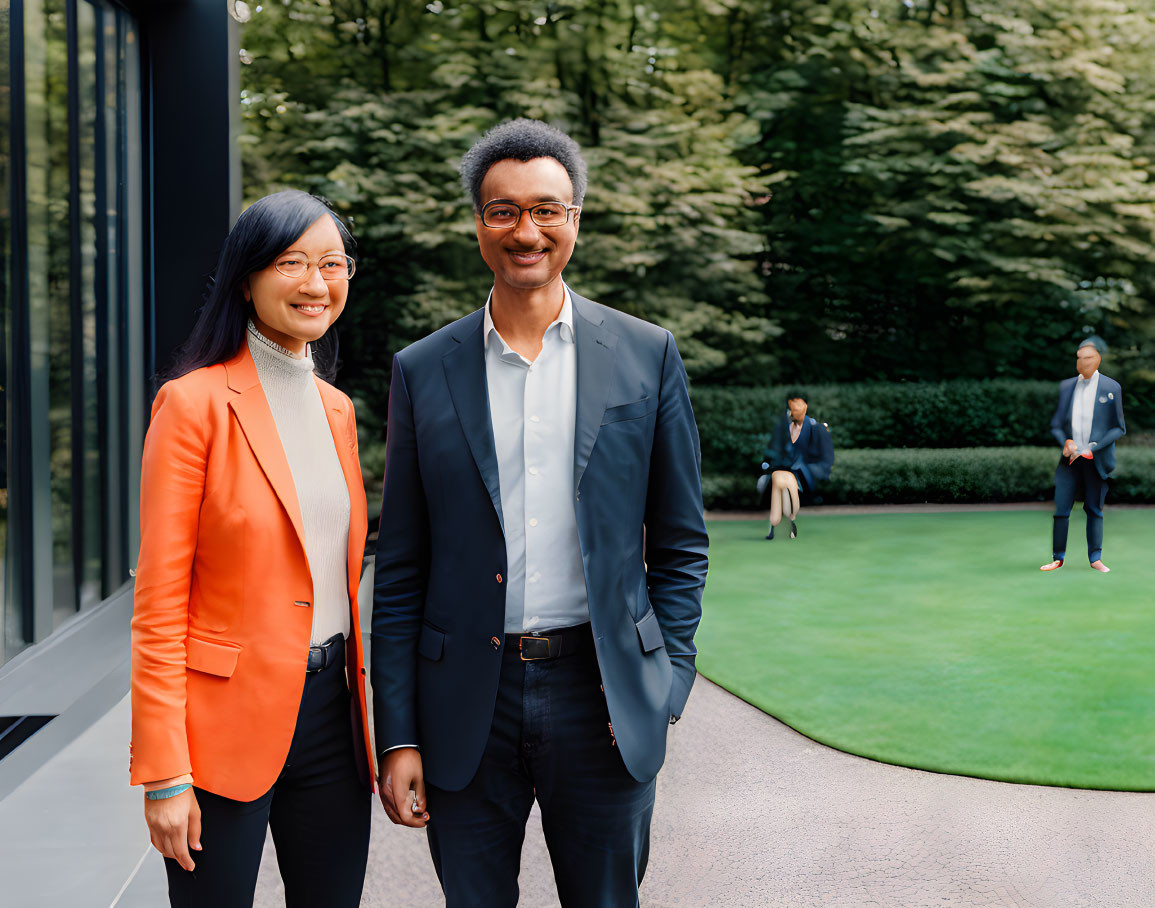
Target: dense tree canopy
(839, 190)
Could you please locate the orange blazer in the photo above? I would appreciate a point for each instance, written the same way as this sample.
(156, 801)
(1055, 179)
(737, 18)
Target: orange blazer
(223, 607)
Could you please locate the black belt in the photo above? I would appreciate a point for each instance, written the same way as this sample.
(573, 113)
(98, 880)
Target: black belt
(325, 654)
(551, 644)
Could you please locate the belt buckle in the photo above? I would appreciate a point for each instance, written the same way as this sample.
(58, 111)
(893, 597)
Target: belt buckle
(537, 651)
(323, 649)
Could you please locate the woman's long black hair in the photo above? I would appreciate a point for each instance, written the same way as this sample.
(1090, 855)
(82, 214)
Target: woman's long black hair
(263, 231)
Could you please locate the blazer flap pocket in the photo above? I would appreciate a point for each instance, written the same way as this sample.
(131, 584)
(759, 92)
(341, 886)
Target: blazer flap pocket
(650, 632)
(632, 410)
(432, 643)
(211, 656)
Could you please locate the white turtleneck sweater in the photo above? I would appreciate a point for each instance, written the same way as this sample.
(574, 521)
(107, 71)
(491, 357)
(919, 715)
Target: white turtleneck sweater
(299, 413)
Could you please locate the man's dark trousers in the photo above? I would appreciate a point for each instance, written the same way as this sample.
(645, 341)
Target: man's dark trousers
(1073, 481)
(551, 737)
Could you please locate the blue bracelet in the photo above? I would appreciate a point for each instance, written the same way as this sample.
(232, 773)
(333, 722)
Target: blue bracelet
(161, 793)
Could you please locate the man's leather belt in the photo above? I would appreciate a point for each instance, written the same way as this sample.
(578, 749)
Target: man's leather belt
(325, 654)
(551, 644)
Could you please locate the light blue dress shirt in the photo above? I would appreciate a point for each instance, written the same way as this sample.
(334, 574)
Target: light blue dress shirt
(1083, 411)
(533, 407)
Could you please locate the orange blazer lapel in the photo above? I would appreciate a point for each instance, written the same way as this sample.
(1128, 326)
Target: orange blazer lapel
(256, 420)
(339, 412)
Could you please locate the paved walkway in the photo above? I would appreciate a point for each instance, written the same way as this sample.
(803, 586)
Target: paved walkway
(749, 813)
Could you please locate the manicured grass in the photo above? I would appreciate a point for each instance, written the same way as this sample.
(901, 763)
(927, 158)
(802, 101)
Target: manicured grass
(933, 641)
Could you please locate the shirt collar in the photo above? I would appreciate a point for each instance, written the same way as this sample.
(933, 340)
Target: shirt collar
(1087, 381)
(564, 319)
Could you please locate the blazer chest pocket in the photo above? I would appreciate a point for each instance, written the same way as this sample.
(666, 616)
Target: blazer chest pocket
(633, 410)
(211, 657)
(650, 632)
(431, 644)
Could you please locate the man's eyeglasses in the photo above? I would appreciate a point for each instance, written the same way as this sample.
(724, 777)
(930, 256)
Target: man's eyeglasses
(502, 215)
(333, 267)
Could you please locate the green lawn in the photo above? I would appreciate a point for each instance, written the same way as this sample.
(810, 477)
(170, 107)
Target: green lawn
(933, 641)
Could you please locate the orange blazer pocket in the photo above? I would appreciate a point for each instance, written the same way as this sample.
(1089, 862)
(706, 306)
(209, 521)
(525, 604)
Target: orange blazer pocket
(212, 657)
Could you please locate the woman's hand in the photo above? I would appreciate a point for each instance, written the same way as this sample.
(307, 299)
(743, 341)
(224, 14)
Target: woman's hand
(174, 825)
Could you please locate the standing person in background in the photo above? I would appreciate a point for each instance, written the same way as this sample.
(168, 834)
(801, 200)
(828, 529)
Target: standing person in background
(799, 457)
(533, 626)
(1087, 423)
(248, 704)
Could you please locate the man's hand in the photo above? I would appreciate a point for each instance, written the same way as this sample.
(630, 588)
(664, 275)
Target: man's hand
(174, 826)
(401, 779)
(1070, 449)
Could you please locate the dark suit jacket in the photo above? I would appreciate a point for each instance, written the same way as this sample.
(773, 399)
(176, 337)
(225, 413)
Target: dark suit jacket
(814, 446)
(439, 594)
(1107, 424)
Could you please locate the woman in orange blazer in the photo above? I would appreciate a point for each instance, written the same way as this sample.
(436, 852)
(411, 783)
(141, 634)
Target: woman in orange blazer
(248, 701)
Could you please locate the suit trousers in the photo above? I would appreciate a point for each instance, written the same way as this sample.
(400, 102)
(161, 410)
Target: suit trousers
(551, 738)
(318, 811)
(1073, 481)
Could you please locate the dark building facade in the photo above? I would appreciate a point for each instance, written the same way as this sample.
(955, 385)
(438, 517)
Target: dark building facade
(120, 177)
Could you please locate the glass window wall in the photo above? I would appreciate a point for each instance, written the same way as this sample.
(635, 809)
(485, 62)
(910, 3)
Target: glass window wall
(72, 376)
(11, 621)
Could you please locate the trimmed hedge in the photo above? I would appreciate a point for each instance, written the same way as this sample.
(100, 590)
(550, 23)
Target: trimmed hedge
(735, 423)
(908, 475)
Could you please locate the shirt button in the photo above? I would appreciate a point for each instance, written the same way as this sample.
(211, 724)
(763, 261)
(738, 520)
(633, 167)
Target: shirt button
(533, 521)
(535, 418)
(499, 578)
(533, 471)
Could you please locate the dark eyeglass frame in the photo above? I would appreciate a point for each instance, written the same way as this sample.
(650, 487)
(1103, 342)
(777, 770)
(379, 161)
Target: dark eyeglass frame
(349, 272)
(569, 209)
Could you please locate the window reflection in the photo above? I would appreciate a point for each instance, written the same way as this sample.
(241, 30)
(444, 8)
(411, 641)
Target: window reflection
(49, 265)
(87, 107)
(71, 310)
(10, 616)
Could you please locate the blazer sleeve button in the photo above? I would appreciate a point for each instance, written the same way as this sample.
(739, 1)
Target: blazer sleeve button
(499, 578)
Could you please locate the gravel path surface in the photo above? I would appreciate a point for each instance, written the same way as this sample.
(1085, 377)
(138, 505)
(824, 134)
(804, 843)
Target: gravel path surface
(751, 813)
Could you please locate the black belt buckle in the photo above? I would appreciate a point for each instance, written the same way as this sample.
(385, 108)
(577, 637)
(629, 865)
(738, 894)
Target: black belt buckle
(533, 649)
(319, 657)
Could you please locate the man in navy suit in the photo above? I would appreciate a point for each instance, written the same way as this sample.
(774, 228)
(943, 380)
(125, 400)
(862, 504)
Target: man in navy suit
(541, 558)
(1087, 423)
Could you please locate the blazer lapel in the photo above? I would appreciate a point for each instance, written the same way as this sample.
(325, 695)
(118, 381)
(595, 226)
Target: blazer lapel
(464, 366)
(336, 410)
(1069, 405)
(256, 421)
(803, 435)
(595, 366)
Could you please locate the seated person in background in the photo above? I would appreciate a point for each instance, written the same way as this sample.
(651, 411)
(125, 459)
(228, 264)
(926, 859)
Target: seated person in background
(800, 456)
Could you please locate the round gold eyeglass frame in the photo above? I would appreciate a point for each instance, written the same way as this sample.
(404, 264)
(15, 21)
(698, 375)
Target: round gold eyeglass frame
(330, 267)
(538, 213)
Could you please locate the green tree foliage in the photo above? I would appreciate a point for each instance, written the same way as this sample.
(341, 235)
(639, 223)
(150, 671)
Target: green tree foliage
(961, 187)
(803, 190)
(372, 104)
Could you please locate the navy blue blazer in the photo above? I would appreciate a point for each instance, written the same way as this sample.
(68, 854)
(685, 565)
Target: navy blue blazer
(439, 593)
(814, 447)
(1107, 424)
